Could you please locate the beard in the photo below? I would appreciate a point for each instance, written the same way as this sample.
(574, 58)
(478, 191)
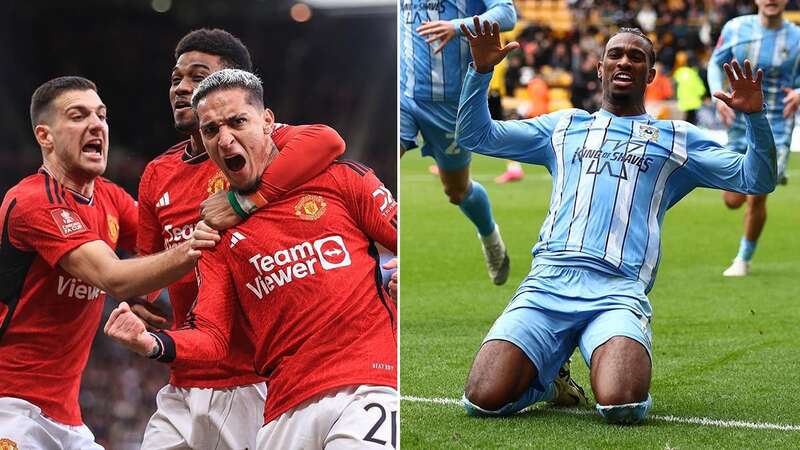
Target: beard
(187, 126)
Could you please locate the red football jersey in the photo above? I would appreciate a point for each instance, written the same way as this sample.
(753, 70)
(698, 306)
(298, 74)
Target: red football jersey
(171, 190)
(304, 274)
(48, 317)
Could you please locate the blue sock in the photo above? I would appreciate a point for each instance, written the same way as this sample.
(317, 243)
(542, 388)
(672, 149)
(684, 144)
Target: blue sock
(477, 208)
(746, 249)
(530, 397)
(628, 414)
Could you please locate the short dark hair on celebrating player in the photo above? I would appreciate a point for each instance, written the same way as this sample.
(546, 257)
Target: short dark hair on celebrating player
(232, 52)
(43, 96)
(231, 79)
(651, 53)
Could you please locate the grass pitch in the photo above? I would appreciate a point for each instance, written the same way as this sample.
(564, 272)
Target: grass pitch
(724, 349)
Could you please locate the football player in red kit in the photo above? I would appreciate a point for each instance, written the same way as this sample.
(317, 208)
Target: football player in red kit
(60, 227)
(303, 274)
(220, 403)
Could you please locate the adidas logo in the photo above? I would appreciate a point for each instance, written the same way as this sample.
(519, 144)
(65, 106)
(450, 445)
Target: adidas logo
(163, 201)
(236, 237)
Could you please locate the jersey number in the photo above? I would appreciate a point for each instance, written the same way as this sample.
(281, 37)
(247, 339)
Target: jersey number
(370, 437)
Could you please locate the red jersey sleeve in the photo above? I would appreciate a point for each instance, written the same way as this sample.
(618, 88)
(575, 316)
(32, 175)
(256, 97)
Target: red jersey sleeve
(52, 231)
(371, 204)
(205, 335)
(148, 240)
(305, 151)
(128, 219)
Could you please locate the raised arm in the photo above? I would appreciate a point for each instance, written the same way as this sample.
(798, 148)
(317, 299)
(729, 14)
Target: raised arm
(712, 165)
(722, 54)
(500, 11)
(520, 140)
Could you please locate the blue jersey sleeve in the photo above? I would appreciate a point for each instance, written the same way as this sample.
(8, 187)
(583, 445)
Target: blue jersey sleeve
(711, 165)
(722, 54)
(526, 141)
(500, 11)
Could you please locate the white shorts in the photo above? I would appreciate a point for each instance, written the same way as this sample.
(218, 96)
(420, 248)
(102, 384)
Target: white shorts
(204, 418)
(23, 427)
(351, 417)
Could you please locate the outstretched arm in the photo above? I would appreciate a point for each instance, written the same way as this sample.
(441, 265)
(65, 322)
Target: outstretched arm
(754, 172)
(500, 11)
(520, 140)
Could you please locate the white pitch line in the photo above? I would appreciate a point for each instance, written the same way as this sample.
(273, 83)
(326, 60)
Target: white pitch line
(674, 419)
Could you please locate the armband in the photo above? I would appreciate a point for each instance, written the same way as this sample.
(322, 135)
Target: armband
(248, 204)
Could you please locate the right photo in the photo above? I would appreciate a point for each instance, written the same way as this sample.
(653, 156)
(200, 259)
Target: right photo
(587, 260)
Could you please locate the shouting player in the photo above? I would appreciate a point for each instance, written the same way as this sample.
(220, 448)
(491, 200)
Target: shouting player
(615, 173)
(303, 273)
(59, 231)
(430, 82)
(223, 403)
(770, 42)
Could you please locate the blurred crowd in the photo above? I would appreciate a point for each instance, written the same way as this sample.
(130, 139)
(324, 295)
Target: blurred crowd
(561, 42)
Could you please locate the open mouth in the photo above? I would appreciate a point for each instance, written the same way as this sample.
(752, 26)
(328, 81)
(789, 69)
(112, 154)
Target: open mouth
(93, 147)
(622, 78)
(182, 104)
(235, 163)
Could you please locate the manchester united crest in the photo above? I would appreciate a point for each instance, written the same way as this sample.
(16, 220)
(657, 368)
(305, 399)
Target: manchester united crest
(217, 183)
(8, 444)
(113, 229)
(310, 207)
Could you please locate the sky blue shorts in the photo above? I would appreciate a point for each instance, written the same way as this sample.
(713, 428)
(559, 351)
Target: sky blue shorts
(558, 308)
(436, 122)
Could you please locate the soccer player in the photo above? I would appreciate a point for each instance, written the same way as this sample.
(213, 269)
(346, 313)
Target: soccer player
(770, 42)
(60, 227)
(222, 403)
(430, 82)
(303, 273)
(615, 173)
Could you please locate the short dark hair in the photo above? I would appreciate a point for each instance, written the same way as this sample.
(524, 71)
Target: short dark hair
(651, 52)
(231, 79)
(43, 96)
(231, 51)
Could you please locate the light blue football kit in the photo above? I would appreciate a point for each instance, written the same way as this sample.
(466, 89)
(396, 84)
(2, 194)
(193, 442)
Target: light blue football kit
(430, 83)
(777, 53)
(599, 247)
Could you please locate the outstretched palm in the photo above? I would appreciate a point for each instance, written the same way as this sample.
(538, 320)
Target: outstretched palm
(746, 95)
(487, 51)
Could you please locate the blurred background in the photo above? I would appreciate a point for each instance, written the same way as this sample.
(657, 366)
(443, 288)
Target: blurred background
(322, 61)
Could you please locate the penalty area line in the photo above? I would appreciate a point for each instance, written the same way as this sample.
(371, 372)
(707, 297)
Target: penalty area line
(703, 421)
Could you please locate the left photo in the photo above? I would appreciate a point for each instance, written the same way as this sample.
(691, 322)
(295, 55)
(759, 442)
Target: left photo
(199, 225)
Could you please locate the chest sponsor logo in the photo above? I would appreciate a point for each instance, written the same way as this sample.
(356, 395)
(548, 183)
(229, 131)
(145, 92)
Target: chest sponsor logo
(113, 228)
(67, 221)
(613, 156)
(173, 235)
(77, 289)
(297, 262)
(310, 207)
(217, 183)
(8, 444)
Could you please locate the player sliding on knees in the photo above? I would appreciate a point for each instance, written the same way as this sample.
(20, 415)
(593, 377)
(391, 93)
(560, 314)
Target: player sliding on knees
(615, 173)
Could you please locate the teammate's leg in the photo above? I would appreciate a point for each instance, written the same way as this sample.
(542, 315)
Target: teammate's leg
(617, 345)
(170, 427)
(733, 200)
(755, 216)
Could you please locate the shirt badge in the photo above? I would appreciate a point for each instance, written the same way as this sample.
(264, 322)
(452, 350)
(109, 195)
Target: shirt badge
(217, 183)
(646, 132)
(67, 221)
(310, 207)
(113, 228)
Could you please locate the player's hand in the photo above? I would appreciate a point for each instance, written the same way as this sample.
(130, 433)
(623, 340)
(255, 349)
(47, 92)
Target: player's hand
(726, 114)
(124, 327)
(203, 237)
(150, 313)
(438, 30)
(791, 102)
(217, 212)
(487, 51)
(746, 95)
(394, 279)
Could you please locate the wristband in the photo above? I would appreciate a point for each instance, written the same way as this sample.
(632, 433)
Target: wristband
(235, 205)
(156, 353)
(250, 203)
